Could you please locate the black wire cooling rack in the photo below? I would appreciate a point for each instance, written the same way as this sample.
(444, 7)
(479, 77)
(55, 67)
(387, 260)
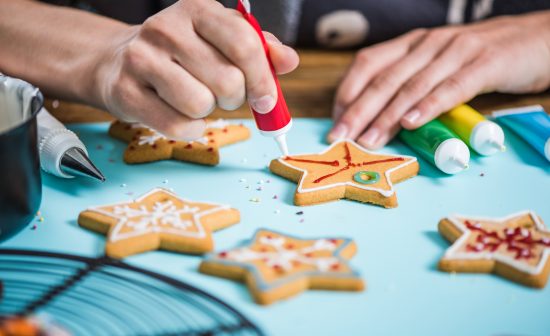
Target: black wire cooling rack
(103, 296)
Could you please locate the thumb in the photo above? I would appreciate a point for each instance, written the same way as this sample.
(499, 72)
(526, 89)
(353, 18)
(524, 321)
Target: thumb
(284, 58)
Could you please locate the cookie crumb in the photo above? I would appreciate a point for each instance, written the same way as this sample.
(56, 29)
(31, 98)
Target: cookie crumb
(41, 219)
(261, 182)
(247, 187)
(267, 181)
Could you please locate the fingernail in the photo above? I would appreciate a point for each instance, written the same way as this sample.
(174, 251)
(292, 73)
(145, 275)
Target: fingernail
(371, 139)
(264, 104)
(271, 38)
(340, 131)
(412, 116)
(193, 130)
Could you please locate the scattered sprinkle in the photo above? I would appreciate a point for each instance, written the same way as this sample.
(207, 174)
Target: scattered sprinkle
(301, 220)
(277, 211)
(255, 199)
(171, 189)
(33, 227)
(247, 187)
(299, 213)
(165, 181)
(267, 181)
(482, 174)
(99, 147)
(112, 160)
(261, 182)
(38, 213)
(123, 185)
(259, 188)
(242, 180)
(41, 219)
(275, 197)
(130, 193)
(55, 104)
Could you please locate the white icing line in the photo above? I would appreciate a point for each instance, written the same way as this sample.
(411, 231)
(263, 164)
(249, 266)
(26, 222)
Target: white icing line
(453, 254)
(114, 234)
(384, 192)
(219, 123)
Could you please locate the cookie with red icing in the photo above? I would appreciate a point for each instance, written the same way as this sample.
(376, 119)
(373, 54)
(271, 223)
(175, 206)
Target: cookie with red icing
(516, 247)
(147, 145)
(346, 170)
(276, 266)
(158, 219)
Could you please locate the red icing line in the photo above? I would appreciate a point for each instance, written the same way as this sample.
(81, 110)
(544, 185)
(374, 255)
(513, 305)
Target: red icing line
(334, 163)
(350, 164)
(521, 245)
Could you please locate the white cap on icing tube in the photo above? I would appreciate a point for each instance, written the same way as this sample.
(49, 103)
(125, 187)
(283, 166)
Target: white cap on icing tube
(487, 138)
(452, 156)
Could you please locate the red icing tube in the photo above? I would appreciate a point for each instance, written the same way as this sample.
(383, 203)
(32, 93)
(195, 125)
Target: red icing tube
(277, 122)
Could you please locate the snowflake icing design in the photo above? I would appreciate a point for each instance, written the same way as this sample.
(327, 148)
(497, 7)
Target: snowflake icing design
(283, 258)
(162, 217)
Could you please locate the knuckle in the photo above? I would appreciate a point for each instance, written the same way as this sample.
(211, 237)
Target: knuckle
(468, 40)
(248, 47)
(135, 55)
(201, 105)
(233, 81)
(456, 86)
(429, 104)
(415, 87)
(384, 82)
(438, 35)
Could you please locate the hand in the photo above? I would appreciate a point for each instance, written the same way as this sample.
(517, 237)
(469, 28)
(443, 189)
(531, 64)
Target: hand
(410, 80)
(171, 71)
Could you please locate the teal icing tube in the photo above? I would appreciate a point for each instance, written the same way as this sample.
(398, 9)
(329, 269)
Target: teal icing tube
(439, 146)
(531, 123)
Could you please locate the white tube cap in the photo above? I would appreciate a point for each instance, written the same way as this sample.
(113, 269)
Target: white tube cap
(487, 138)
(452, 156)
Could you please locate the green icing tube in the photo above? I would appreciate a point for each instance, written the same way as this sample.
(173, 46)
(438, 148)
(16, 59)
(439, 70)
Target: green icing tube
(439, 146)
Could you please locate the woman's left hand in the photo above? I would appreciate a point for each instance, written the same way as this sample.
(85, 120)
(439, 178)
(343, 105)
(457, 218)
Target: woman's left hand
(410, 80)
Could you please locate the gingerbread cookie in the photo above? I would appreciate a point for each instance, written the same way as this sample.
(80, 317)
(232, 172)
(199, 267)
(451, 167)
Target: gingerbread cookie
(158, 220)
(276, 266)
(346, 170)
(147, 145)
(515, 247)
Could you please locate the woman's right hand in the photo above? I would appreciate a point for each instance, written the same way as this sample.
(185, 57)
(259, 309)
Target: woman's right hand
(171, 71)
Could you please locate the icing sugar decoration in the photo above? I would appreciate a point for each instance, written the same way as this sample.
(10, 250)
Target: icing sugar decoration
(160, 217)
(285, 256)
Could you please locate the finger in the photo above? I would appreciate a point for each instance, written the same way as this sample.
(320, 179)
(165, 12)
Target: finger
(225, 80)
(385, 85)
(284, 59)
(366, 65)
(146, 107)
(461, 51)
(382, 139)
(236, 39)
(460, 87)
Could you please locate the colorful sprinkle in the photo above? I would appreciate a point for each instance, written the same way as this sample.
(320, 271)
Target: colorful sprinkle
(299, 213)
(255, 199)
(277, 211)
(55, 104)
(259, 188)
(275, 196)
(482, 174)
(33, 227)
(123, 185)
(242, 180)
(301, 220)
(99, 147)
(165, 181)
(41, 219)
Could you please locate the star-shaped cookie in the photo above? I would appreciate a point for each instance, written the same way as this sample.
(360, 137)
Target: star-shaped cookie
(515, 247)
(158, 220)
(276, 266)
(147, 145)
(346, 170)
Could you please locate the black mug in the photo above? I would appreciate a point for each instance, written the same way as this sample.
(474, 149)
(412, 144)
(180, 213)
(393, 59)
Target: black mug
(20, 182)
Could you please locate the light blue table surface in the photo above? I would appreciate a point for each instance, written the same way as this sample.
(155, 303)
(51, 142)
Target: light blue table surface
(398, 249)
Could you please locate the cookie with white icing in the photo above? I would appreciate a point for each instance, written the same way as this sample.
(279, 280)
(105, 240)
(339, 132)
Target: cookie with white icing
(516, 247)
(147, 145)
(276, 266)
(158, 219)
(346, 170)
